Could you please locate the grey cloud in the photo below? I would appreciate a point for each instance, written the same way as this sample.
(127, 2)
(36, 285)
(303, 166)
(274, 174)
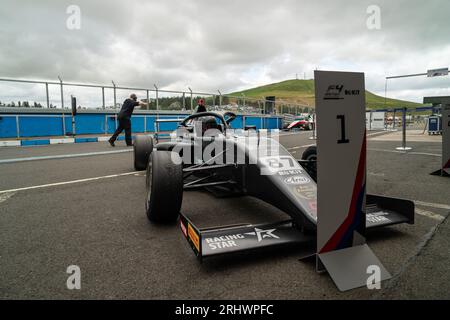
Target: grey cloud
(224, 44)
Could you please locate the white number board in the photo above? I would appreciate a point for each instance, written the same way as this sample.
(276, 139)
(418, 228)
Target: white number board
(341, 160)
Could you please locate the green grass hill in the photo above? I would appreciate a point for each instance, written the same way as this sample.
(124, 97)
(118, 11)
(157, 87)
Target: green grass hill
(302, 92)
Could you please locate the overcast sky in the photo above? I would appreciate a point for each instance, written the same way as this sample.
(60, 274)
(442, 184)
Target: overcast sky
(225, 44)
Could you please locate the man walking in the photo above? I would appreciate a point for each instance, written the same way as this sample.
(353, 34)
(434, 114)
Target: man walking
(124, 119)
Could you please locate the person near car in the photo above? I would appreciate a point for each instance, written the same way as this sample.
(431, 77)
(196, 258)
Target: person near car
(200, 106)
(124, 119)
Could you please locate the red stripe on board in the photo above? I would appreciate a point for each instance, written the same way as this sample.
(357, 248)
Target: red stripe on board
(447, 165)
(359, 181)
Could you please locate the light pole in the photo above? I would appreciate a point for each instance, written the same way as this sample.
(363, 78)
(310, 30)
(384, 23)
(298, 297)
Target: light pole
(115, 103)
(430, 74)
(62, 93)
(192, 100)
(47, 96)
(103, 98)
(157, 103)
(220, 98)
(114, 93)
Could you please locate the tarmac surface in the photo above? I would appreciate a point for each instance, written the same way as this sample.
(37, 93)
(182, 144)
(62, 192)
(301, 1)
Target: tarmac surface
(87, 209)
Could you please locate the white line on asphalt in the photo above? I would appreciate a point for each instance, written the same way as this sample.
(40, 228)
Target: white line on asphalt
(5, 196)
(375, 133)
(299, 147)
(304, 132)
(426, 154)
(313, 144)
(63, 156)
(376, 174)
(433, 205)
(281, 134)
(69, 182)
(405, 152)
(429, 214)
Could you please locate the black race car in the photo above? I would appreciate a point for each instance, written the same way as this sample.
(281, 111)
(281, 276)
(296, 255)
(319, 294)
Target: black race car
(276, 177)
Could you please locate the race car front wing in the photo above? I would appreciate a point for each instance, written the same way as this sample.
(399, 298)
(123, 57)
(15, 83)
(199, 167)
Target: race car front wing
(236, 238)
(206, 242)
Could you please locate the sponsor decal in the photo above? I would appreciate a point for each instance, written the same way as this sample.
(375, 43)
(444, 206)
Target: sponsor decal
(289, 172)
(232, 240)
(354, 92)
(313, 205)
(194, 237)
(334, 92)
(297, 180)
(262, 234)
(308, 192)
(183, 229)
(225, 241)
(377, 217)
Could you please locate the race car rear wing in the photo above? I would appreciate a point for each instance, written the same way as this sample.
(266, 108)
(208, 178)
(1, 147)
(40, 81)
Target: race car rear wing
(209, 242)
(206, 242)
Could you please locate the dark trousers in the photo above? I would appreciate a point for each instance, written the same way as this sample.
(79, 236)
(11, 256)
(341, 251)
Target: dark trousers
(124, 124)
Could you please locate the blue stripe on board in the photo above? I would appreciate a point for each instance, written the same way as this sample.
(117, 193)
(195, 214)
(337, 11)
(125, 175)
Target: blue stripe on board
(81, 140)
(38, 142)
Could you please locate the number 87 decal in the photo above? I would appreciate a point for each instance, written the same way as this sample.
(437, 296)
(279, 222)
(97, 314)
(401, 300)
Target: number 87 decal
(343, 138)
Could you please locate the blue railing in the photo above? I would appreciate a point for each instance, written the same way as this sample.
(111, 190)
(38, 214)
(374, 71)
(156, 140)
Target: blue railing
(46, 124)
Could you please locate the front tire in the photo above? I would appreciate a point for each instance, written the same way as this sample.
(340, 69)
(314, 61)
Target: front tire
(164, 187)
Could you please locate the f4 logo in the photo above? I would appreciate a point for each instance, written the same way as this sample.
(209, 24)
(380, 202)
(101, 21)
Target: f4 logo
(334, 92)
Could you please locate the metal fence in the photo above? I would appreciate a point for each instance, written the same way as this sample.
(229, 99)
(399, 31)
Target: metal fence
(56, 94)
(412, 118)
(48, 95)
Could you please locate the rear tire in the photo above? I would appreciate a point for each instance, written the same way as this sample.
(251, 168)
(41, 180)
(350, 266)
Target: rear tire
(164, 187)
(310, 153)
(143, 147)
